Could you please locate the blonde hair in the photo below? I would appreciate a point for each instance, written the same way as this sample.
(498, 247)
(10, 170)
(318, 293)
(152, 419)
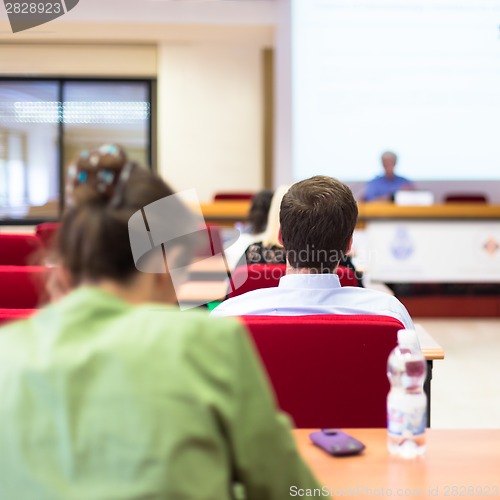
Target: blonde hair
(270, 235)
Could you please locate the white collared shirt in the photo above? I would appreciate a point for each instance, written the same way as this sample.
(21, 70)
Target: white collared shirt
(303, 294)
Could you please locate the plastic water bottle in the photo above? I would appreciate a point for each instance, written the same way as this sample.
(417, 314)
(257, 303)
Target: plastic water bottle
(406, 401)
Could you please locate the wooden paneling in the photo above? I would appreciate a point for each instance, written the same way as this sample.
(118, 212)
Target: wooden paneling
(268, 105)
(234, 211)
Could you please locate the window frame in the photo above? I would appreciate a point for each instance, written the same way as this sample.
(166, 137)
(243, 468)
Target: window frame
(151, 148)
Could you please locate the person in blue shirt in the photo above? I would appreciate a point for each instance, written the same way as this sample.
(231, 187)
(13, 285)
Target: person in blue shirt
(383, 187)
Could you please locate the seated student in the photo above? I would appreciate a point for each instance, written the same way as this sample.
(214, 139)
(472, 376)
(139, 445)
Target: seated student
(317, 216)
(384, 187)
(269, 250)
(252, 230)
(257, 215)
(112, 392)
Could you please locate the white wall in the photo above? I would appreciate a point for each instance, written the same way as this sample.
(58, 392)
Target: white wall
(210, 98)
(210, 115)
(208, 65)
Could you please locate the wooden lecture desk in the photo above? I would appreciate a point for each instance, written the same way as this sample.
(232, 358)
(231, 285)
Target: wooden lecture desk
(457, 463)
(441, 243)
(229, 212)
(225, 212)
(386, 210)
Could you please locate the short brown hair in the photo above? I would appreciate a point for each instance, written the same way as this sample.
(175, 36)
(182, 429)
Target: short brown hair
(317, 218)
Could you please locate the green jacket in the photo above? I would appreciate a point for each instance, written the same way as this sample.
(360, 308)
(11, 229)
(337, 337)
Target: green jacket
(103, 400)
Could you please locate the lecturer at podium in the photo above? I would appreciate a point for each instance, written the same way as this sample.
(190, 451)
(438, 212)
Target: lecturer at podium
(383, 187)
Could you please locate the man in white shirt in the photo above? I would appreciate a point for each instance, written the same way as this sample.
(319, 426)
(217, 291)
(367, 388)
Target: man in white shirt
(317, 220)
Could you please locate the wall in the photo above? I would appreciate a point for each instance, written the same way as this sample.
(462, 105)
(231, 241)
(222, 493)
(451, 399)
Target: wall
(207, 57)
(83, 59)
(210, 94)
(210, 114)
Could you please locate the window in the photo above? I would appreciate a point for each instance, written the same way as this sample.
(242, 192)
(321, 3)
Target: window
(44, 124)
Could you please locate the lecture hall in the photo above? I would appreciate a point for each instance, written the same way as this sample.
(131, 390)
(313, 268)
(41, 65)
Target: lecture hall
(249, 249)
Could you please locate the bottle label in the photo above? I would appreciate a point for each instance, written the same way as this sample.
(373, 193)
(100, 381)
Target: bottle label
(401, 423)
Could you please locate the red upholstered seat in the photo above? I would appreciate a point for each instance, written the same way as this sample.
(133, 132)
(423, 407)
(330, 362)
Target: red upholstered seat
(233, 196)
(327, 370)
(22, 287)
(347, 276)
(8, 315)
(18, 249)
(255, 276)
(268, 276)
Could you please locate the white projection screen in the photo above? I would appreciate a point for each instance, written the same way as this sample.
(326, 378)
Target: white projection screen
(420, 78)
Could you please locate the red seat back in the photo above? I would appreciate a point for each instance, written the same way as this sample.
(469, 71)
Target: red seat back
(466, 198)
(8, 315)
(328, 370)
(268, 276)
(259, 276)
(22, 287)
(18, 249)
(347, 276)
(233, 196)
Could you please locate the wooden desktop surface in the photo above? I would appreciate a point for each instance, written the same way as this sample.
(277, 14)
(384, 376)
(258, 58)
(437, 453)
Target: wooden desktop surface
(209, 266)
(457, 463)
(202, 292)
(229, 211)
(232, 211)
(430, 348)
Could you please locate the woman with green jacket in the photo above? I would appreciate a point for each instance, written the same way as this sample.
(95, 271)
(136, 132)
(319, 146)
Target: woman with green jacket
(112, 392)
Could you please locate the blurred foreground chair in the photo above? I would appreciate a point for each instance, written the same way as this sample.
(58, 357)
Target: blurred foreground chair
(327, 370)
(23, 287)
(8, 315)
(18, 249)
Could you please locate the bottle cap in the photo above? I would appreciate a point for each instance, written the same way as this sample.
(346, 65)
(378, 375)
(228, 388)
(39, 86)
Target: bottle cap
(407, 337)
